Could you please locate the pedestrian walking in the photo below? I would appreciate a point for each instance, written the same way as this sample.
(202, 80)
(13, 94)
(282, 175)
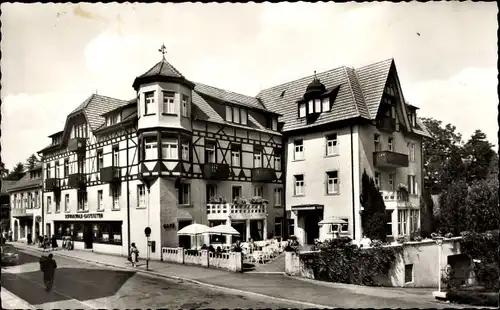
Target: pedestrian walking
(54, 242)
(134, 254)
(48, 267)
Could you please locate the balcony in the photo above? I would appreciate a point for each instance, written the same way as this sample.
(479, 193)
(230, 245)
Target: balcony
(76, 180)
(236, 211)
(77, 145)
(386, 124)
(263, 175)
(52, 184)
(389, 159)
(215, 171)
(110, 174)
(21, 212)
(394, 199)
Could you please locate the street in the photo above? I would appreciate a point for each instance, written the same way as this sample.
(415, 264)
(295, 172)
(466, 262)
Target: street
(82, 285)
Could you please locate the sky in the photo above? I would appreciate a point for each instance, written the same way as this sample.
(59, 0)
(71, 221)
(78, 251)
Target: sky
(54, 56)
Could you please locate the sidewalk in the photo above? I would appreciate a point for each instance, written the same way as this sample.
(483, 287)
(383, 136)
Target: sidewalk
(279, 287)
(11, 301)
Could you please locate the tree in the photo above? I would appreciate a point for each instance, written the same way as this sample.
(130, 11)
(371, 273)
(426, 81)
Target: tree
(17, 172)
(439, 151)
(452, 210)
(373, 218)
(3, 171)
(493, 169)
(482, 209)
(427, 224)
(480, 153)
(31, 162)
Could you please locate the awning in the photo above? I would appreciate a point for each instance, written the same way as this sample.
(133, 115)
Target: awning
(307, 207)
(332, 220)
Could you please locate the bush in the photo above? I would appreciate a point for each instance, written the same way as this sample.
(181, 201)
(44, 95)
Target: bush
(340, 261)
(473, 298)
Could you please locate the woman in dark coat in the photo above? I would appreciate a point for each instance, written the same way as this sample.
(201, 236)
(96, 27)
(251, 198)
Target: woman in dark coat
(54, 242)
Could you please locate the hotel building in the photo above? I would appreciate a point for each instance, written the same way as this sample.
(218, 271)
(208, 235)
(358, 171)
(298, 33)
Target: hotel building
(179, 153)
(338, 124)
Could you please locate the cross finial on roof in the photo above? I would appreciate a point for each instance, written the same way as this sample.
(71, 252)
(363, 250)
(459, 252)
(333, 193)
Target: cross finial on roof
(315, 77)
(163, 50)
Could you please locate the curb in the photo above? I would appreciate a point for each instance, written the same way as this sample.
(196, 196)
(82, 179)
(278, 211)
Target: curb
(19, 302)
(213, 286)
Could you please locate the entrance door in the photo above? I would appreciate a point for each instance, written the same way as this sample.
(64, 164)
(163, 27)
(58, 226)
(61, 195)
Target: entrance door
(87, 235)
(241, 228)
(311, 227)
(184, 241)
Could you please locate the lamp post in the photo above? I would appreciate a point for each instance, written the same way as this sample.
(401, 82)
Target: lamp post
(439, 294)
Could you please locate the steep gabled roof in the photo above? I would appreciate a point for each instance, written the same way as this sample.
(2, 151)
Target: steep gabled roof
(26, 182)
(162, 68)
(229, 96)
(6, 186)
(96, 105)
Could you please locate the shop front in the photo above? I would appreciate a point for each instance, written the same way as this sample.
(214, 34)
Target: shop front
(92, 233)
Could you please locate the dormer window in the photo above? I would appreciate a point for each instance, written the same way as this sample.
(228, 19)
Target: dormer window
(149, 100)
(412, 116)
(113, 119)
(326, 104)
(168, 102)
(236, 115)
(244, 117)
(302, 110)
(310, 106)
(79, 131)
(317, 105)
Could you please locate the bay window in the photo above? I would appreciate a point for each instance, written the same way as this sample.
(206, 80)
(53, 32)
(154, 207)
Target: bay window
(185, 150)
(149, 100)
(150, 148)
(184, 106)
(169, 148)
(168, 102)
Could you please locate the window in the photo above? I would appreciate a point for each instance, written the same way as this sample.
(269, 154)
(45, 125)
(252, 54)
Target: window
(317, 105)
(66, 203)
(376, 142)
(393, 111)
(389, 90)
(298, 149)
(210, 152)
(257, 191)
(169, 149)
(377, 179)
(79, 131)
(388, 225)
(390, 144)
(113, 119)
(277, 197)
(331, 145)
(150, 148)
(277, 226)
(409, 273)
(277, 159)
(344, 228)
(35, 199)
(184, 194)
(310, 107)
(100, 202)
(81, 164)
(185, 150)
(168, 102)
(274, 124)
(299, 184)
(149, 99)
(100, 160)
(332, 182)
(302, 110)
(141, 196)
(56, 168)
(244, 117)
(116, 156)
(48, 171)
(49, 204)
(414, 219)
(236, 192)
(235, 155)
(411, 147)
(115, 194)
(184, 106)
(211, 192)
(412, 185)
(82, 201)
(58, 204)
(66, 168)
(257, 157)
(291, 227)
(326, 104)
(229, 114)
(402, 222)
(391, 181)
(236, 115)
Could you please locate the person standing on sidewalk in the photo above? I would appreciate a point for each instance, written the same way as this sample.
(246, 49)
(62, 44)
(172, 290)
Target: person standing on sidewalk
(54, 242)
(48, 266)
(134, 254)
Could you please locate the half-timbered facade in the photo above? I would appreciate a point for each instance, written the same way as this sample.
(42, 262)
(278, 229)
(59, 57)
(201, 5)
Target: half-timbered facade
(338, 124)
(184, 152)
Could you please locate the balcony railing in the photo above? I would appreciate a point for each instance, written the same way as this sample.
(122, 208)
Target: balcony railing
(18, 212)
(110, 174)
(398, 196)
(386, 124)
(76, 180)
(263, 175)
(236, 212)
(389, 159)
(77, 145)
(51, 184)
(215, 171)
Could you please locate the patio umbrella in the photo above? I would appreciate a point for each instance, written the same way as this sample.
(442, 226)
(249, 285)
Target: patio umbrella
(193, 230)
(332, 220)
(223, 230)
